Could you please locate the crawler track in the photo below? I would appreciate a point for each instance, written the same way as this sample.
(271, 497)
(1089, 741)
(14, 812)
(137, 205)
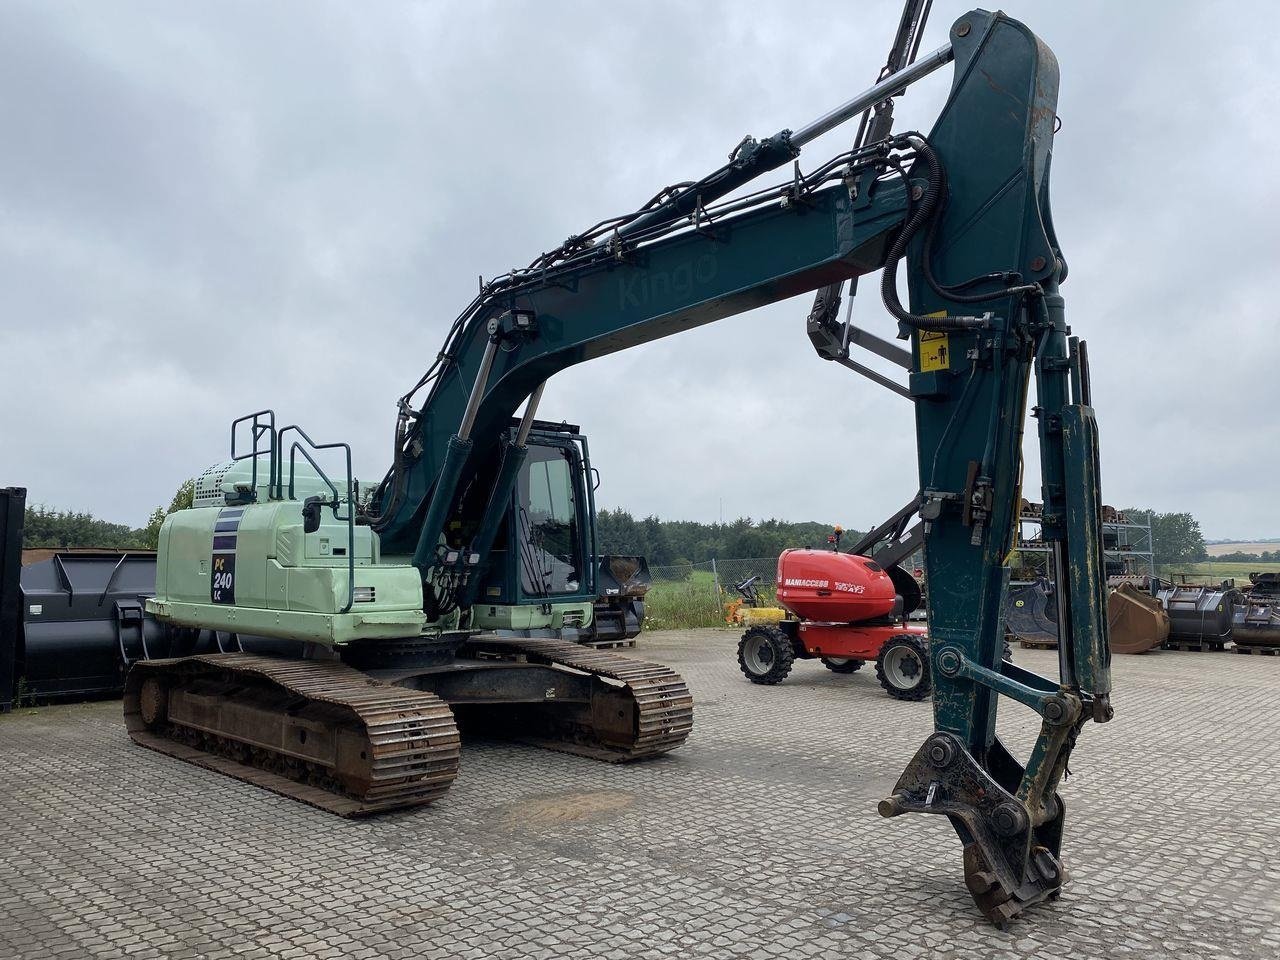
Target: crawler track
(316, 731)
(331, 736)
(647, 709)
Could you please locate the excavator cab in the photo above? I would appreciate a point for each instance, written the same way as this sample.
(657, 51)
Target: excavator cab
(541, 576)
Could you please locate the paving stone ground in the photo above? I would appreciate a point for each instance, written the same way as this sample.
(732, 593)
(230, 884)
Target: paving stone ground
(758, 839)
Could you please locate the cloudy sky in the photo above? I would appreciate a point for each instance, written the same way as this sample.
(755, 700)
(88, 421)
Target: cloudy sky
(211, 208)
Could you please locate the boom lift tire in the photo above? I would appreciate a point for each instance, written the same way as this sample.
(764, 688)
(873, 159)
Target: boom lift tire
(765, 655)
(903, 668)
(842, 664)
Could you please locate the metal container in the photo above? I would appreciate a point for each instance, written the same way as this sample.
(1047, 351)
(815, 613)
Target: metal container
(13, 502)
(1136, 621)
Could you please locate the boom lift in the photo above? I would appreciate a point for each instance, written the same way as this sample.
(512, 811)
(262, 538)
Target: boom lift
(844, 609)
(427, 595)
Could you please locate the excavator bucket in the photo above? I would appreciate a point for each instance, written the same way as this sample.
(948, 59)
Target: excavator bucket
(1200, 615)
(621, 584)
(1257, 625)
(624, 576)
(1029, 614)
(1136, 619)
(1256, 620)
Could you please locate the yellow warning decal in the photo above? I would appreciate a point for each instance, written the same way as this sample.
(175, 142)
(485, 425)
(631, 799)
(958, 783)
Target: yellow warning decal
(935, 348)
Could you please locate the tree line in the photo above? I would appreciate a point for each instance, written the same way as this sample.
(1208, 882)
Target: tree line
(67, 529)
(63, 529)
(662, 542)
(1240, 556)
(665, 542)
(1176, 537)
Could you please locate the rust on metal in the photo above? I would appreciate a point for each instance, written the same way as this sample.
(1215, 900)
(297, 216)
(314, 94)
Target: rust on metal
(1008, 861)
(637, 709)
(1137, 621)
(316, 731)
(329, 735)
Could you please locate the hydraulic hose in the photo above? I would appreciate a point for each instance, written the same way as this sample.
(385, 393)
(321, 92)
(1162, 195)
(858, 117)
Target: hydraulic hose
(923, 214)
(928, 214)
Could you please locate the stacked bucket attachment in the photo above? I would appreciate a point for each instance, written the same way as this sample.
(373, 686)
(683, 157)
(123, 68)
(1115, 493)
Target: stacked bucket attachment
(1030, 616)
(622, 582)
(1136, 620)
(1256, 620)
(1200, 615)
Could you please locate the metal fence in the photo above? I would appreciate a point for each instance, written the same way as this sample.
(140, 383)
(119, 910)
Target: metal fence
(723, 573)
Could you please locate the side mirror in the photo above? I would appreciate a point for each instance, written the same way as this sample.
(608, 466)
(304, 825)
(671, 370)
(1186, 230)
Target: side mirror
(311, 514)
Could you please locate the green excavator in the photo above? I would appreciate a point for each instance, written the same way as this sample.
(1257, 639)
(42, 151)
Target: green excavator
(326, 638)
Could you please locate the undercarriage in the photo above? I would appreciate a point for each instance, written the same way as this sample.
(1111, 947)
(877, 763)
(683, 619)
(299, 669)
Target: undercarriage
(362, 741)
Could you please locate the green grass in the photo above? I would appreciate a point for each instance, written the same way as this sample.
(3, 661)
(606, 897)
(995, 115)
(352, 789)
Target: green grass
(684, 604)
(1214, 570)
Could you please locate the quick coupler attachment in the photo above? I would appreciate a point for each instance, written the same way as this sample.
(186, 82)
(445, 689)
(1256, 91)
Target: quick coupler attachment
(1010, 860)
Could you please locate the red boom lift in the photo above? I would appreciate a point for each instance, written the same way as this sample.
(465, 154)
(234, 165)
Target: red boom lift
(846, 610)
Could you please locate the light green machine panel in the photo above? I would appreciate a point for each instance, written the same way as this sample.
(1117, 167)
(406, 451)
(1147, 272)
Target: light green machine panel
(254, 569)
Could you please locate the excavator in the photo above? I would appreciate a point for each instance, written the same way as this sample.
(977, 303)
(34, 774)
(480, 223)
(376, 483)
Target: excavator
(356, 625)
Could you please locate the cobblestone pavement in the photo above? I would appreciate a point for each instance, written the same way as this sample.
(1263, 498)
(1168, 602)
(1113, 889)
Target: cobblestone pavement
(757, 839)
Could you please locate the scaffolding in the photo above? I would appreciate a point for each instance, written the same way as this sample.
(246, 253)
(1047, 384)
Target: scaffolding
(1127, 547)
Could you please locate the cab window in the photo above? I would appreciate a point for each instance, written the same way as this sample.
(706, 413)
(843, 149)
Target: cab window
(548, 540)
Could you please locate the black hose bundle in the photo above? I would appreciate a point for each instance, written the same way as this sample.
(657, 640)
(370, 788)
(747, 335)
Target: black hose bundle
(928, 214)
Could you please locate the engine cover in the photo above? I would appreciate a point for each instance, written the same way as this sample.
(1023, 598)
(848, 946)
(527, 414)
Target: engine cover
(833, 587)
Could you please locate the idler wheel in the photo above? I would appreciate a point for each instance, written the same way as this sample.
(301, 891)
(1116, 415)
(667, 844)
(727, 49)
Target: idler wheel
(153, 701)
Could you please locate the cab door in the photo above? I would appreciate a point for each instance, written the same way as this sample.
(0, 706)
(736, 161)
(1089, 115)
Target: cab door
(550, 530)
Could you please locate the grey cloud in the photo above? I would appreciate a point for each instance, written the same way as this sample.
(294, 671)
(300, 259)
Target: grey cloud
(211, 208)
